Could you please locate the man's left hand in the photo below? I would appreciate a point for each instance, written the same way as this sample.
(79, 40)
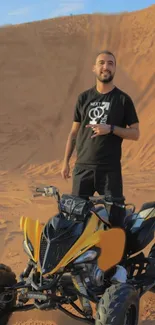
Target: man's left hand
(99, 129)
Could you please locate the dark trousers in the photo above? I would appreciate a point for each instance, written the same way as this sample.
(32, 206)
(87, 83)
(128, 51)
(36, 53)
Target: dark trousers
(88, 181)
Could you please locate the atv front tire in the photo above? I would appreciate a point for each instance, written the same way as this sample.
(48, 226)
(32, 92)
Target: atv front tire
(118, 306)
(7, 301)
(150, 269)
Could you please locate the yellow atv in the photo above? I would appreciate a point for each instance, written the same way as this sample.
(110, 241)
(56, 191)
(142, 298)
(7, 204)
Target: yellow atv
(73, 257)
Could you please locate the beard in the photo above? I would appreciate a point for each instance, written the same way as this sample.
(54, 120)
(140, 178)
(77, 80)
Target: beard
(107, 79)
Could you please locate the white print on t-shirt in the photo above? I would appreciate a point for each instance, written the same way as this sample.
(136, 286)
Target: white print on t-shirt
(99, 112)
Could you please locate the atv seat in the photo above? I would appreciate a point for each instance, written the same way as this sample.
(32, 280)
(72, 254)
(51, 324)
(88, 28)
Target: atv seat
(147, 211)
(140, 228)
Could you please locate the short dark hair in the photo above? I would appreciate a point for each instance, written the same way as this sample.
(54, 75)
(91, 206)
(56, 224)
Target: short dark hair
(105, 52)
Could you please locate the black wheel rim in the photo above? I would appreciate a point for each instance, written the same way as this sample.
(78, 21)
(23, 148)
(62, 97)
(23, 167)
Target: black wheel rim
(130, 316)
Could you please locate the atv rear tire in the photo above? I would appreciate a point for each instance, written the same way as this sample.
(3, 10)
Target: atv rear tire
(7, 279)
(118, 306)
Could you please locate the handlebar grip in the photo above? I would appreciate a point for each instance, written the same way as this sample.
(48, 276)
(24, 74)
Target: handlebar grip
(97, 199)
(40, 189)
(106, 199)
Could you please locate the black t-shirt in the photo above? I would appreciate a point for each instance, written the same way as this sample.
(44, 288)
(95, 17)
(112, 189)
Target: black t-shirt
(114, 107)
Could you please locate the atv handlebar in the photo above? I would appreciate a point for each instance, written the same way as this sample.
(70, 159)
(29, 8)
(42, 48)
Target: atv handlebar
(51, 191)
(46, 191)
(102, 199)
(109, 200)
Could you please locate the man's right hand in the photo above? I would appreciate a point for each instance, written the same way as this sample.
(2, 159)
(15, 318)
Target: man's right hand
(65, 171)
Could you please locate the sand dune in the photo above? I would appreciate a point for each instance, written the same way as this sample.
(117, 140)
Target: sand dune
(43, 67)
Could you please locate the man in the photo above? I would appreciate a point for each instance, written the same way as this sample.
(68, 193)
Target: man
(104, 116)
(99, 127)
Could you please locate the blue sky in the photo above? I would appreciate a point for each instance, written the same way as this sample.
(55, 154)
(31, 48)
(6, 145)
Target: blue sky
(20, 11)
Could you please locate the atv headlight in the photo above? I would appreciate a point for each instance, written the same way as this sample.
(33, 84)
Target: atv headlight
(86, 257)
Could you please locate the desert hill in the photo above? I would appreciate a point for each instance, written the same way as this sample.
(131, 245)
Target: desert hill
(45, 65)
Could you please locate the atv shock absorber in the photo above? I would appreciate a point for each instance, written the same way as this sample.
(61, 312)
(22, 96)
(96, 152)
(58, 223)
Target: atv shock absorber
(83, 300)
(26, 272)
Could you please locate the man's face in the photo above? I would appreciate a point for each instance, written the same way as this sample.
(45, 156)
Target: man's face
(105, 68)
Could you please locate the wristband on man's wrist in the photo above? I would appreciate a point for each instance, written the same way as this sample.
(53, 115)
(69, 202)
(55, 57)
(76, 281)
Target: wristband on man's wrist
(112, 127)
